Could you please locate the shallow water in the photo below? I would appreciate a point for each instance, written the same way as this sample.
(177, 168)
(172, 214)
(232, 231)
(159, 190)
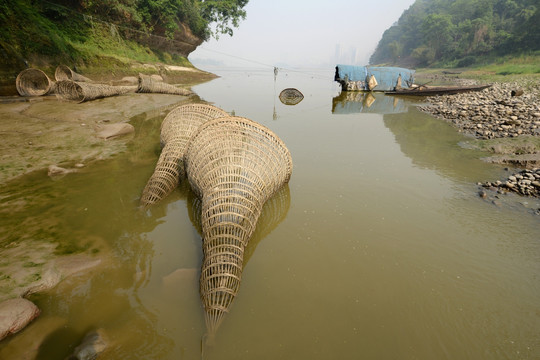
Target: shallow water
(379, 247)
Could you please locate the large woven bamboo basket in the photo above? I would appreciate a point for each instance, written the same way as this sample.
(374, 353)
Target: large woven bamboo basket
(149, 85)
(80, 92)
(63, 72)
(234, 165)
(176, 130)
(273, 213)
(33, 82)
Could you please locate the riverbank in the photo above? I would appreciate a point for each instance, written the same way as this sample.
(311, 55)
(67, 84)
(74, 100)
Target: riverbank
(47, 138)
(44, 131)
(504, 120)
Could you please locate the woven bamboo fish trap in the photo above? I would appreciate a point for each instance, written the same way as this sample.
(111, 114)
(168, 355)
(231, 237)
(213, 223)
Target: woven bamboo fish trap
(33, 82)
(149, 85)
(80, 92)
(176, 130)
(273, 213)
(290, 96)
(63, 72)
(234, 165)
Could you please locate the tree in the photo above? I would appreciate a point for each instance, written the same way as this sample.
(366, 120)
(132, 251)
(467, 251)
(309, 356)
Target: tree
(223, 14)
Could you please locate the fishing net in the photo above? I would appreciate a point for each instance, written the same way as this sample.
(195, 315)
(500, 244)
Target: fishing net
(234, 165)
(149, 85)
(80, 92)
(65, 73)
(33, 82)
(290, 96)
(176, 130)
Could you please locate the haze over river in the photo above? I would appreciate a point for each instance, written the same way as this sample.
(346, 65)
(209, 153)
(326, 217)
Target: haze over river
(378, 248)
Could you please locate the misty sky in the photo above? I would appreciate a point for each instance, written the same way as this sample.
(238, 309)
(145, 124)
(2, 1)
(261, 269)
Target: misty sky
(304, 33)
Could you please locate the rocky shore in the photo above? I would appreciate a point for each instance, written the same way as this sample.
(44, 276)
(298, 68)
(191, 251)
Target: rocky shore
(505, 120)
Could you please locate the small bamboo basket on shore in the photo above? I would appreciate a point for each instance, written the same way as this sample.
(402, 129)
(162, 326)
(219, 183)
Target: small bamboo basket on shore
(63, 72)
(234, 165)
(176, 130)
(34, 82)
(81, 92)
(149, 85)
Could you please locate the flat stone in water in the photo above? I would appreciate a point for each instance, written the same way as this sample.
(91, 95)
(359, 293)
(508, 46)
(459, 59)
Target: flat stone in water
(15, 314)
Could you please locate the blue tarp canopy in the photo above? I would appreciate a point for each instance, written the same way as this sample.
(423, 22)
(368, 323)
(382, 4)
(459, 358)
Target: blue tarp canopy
(386, 77)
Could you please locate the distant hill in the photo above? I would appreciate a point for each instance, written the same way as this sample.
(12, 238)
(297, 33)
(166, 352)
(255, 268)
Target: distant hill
(458, 33)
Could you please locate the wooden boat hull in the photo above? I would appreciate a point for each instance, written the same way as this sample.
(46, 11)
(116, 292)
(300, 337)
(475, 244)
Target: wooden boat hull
(438, 90)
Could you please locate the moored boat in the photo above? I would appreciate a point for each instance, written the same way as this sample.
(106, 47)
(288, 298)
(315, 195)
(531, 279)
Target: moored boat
(436, 90)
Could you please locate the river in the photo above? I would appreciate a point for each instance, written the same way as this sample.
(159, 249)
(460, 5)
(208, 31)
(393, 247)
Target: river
(378, 248)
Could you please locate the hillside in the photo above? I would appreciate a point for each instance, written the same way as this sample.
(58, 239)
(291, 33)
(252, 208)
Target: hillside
(458, 33)
(99, 33)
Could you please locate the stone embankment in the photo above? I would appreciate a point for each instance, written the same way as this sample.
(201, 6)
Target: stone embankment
(491, 113)
(504, 112)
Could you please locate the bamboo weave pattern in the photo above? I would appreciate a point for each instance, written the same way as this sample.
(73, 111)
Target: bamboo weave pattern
(82, 91)
(33, 82)
(176, 130)
(234, 165)
(148, 85)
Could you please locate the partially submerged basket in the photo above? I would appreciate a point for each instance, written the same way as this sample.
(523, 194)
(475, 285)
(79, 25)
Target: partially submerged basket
(149, 85)
(80, 92)
(176, 130)
(290, 96)
(65, 73)
(33, 82)
(234, 165)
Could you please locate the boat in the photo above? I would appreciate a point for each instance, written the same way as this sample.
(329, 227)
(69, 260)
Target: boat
(436, 90)
(373, 78)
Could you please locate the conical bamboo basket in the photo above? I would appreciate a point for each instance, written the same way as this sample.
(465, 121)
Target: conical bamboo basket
(234, 165)
(33, 82)
(176, 130)
(148, 85)
(63, 72)
(80, 92)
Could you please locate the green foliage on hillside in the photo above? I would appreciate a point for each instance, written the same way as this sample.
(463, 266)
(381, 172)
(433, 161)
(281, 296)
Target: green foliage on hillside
(460, 32)
(88, 30)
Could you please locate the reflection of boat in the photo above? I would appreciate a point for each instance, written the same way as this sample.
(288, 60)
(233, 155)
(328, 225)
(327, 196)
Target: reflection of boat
(373, 78)
(437, 90)
(367, 102)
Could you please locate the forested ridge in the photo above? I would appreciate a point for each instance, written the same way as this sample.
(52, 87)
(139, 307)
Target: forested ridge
(458, 33)
(85, 30)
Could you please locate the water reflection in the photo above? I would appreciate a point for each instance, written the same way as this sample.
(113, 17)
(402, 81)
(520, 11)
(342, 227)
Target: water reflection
(350, 102)
(433, 144)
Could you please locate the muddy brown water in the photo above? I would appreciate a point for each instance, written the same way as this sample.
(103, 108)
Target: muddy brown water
(379, 248)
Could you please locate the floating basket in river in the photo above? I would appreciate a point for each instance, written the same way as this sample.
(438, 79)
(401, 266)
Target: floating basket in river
(290, 96)
(149, 85)
(176, 130)
(234, 165)
(33, 82)
(65, 73)
(80, 92)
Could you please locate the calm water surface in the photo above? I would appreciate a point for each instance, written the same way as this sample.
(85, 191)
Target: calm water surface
(378, 248)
